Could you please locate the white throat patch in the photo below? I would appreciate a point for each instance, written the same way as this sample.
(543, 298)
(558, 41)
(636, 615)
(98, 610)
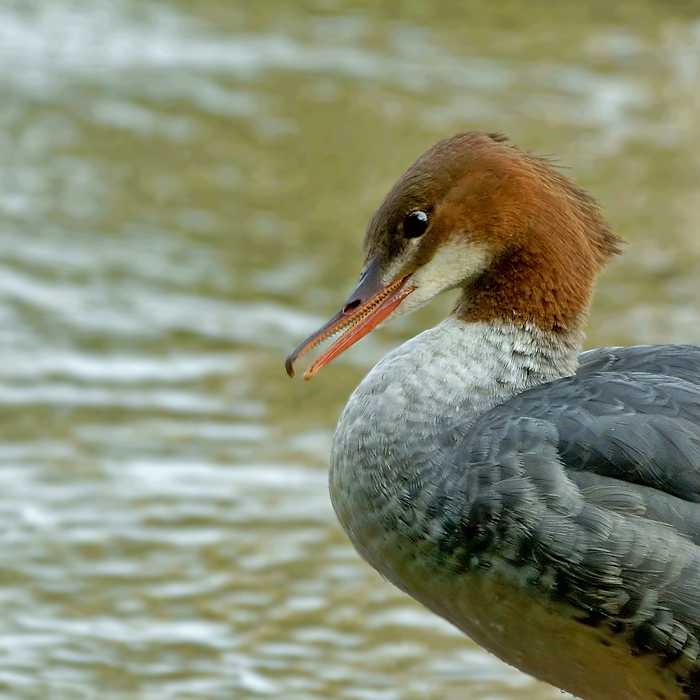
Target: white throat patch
(454, 262)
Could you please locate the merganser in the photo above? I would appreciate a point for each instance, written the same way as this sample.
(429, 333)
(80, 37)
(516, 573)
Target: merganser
(545, 502)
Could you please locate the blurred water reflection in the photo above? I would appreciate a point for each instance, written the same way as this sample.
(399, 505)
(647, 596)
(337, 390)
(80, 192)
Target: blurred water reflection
(183, 190)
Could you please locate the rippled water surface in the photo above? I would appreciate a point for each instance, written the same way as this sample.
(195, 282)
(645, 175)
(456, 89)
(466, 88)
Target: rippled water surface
(183, 193)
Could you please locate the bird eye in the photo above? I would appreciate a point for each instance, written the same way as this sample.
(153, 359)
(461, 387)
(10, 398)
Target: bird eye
(415, 224)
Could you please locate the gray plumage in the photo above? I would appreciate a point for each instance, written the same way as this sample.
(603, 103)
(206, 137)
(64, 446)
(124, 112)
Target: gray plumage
(574, 482)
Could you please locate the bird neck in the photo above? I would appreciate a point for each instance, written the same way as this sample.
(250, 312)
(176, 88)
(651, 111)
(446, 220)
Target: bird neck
(457, 371)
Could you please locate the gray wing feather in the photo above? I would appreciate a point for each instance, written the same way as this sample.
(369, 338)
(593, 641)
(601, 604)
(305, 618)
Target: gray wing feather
(592, 483)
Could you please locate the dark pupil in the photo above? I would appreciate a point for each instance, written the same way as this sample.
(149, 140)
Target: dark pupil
(414, 224)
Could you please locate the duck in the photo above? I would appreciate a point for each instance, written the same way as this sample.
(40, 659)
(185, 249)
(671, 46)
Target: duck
(543, 500)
